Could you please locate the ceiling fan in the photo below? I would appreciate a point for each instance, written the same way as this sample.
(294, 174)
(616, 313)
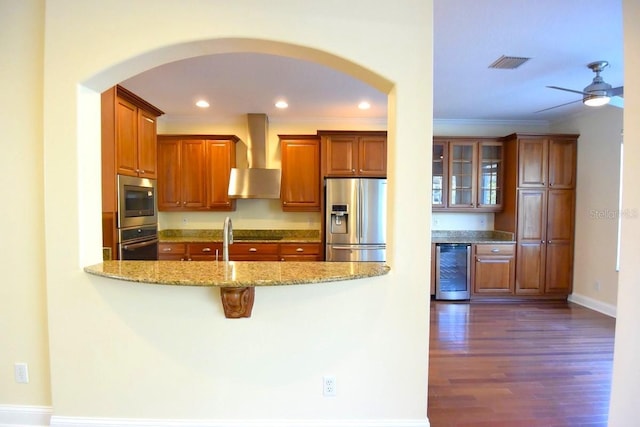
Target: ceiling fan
(598, 93)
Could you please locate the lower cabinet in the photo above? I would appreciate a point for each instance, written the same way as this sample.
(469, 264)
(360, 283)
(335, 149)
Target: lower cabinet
(246, 251)
(300, 252)
(172, 251)
(494, 269)
(210, 251)
(240, 251)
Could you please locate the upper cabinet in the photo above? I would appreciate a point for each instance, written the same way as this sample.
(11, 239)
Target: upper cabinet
(547, 161)
(220, 158)
(354, 154)
(193, 172)
(300, 186)
(467, 174)
(129, 132)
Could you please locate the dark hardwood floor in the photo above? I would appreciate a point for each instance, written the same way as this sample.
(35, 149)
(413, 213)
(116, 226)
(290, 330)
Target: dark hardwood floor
(519, 364)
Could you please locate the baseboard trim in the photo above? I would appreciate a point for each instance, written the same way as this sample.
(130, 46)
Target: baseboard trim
(608, 309)
(59, 421)
(24, 415)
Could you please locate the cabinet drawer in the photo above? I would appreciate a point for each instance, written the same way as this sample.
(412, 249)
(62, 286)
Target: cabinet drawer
(498, 249)
(253, 249)
(205, 249)
(172, 249)
(299, 249)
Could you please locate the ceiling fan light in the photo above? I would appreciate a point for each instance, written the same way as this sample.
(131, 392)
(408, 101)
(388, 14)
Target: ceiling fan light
(595, 100)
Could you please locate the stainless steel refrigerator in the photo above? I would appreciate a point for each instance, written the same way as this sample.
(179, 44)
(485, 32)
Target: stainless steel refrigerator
(355, 219)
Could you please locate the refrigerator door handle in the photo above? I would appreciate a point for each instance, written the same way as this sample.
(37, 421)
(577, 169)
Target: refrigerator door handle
(359, 247)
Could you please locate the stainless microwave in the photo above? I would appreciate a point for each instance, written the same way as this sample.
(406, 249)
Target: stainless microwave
(137, 204)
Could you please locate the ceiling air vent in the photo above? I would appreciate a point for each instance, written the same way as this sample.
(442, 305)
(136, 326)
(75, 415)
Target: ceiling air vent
(508, 62)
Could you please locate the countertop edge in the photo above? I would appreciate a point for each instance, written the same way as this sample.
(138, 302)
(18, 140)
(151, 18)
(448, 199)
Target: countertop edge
(214, 274)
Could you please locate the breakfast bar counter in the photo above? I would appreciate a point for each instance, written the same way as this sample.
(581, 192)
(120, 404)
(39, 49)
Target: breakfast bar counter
(236, 279)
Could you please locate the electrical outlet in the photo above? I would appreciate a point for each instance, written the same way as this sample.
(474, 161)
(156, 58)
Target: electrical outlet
(328, 385)
(21, 373)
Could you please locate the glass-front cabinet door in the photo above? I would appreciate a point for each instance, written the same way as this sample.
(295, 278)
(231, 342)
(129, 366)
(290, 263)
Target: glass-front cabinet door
(462, 174)
(490, 170)
(439, 175)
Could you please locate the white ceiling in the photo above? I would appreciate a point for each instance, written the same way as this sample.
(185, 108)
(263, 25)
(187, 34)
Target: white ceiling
(560, 36)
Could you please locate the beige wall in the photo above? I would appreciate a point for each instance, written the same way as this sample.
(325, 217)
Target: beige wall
(23, 326)
(624, 408)
(165, 352)
(595, 281)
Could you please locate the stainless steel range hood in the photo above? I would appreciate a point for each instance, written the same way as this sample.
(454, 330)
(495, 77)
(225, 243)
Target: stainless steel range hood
(256, 182)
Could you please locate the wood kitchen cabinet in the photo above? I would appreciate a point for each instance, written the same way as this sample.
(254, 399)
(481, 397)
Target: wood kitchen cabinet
(220, 158)
(300, 252)
(494, 269)
(128, 147)
(206, 251)
(202, 251)
(246, 251)
(300, 186)
(129, 133)
(467, 174)
(181, 178)
(540, 209)
(547, 161)
(354, 154)
(172, 251)
(193, 172)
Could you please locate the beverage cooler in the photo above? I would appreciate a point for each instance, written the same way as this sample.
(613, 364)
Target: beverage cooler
(453, 271)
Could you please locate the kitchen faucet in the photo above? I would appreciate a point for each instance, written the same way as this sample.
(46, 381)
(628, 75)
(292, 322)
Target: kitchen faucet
(227, 238)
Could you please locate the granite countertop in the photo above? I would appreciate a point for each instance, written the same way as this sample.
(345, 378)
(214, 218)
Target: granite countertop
(256, 236)
(472, 236)
(236, 274)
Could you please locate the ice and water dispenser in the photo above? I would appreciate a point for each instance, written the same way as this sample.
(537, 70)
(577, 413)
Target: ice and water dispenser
(339, 219)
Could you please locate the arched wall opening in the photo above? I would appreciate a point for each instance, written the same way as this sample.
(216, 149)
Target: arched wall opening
(90, 89)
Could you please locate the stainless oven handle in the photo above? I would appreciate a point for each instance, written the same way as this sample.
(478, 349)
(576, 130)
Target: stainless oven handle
(134, 246)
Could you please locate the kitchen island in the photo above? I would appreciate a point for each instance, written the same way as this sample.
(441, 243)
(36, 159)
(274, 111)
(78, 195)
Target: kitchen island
(236, 279)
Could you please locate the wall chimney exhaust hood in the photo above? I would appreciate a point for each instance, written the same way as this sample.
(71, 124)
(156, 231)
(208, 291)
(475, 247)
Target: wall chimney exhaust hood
(256, 182)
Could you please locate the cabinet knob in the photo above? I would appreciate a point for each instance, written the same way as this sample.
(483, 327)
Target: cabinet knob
(542, 241)
(281, 259)
(253, 250)
(177, 203)
(495, 250)
(166, 249)
(299, 250)
(206, 249)
(551, 184)
(353, 170)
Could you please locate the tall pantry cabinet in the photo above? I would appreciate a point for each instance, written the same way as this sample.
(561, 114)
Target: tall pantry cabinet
(539, 207)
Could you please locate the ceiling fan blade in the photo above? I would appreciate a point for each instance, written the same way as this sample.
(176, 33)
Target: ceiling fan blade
(616, 91)
(617, 101)
(557, 106)
(568, 90)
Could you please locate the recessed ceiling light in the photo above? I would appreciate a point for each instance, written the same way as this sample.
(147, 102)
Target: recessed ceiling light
(282, 104)
(202, 104)
(364, 105)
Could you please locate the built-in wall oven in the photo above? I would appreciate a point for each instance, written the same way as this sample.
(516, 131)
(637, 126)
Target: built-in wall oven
(137, 218)
(138, 243)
